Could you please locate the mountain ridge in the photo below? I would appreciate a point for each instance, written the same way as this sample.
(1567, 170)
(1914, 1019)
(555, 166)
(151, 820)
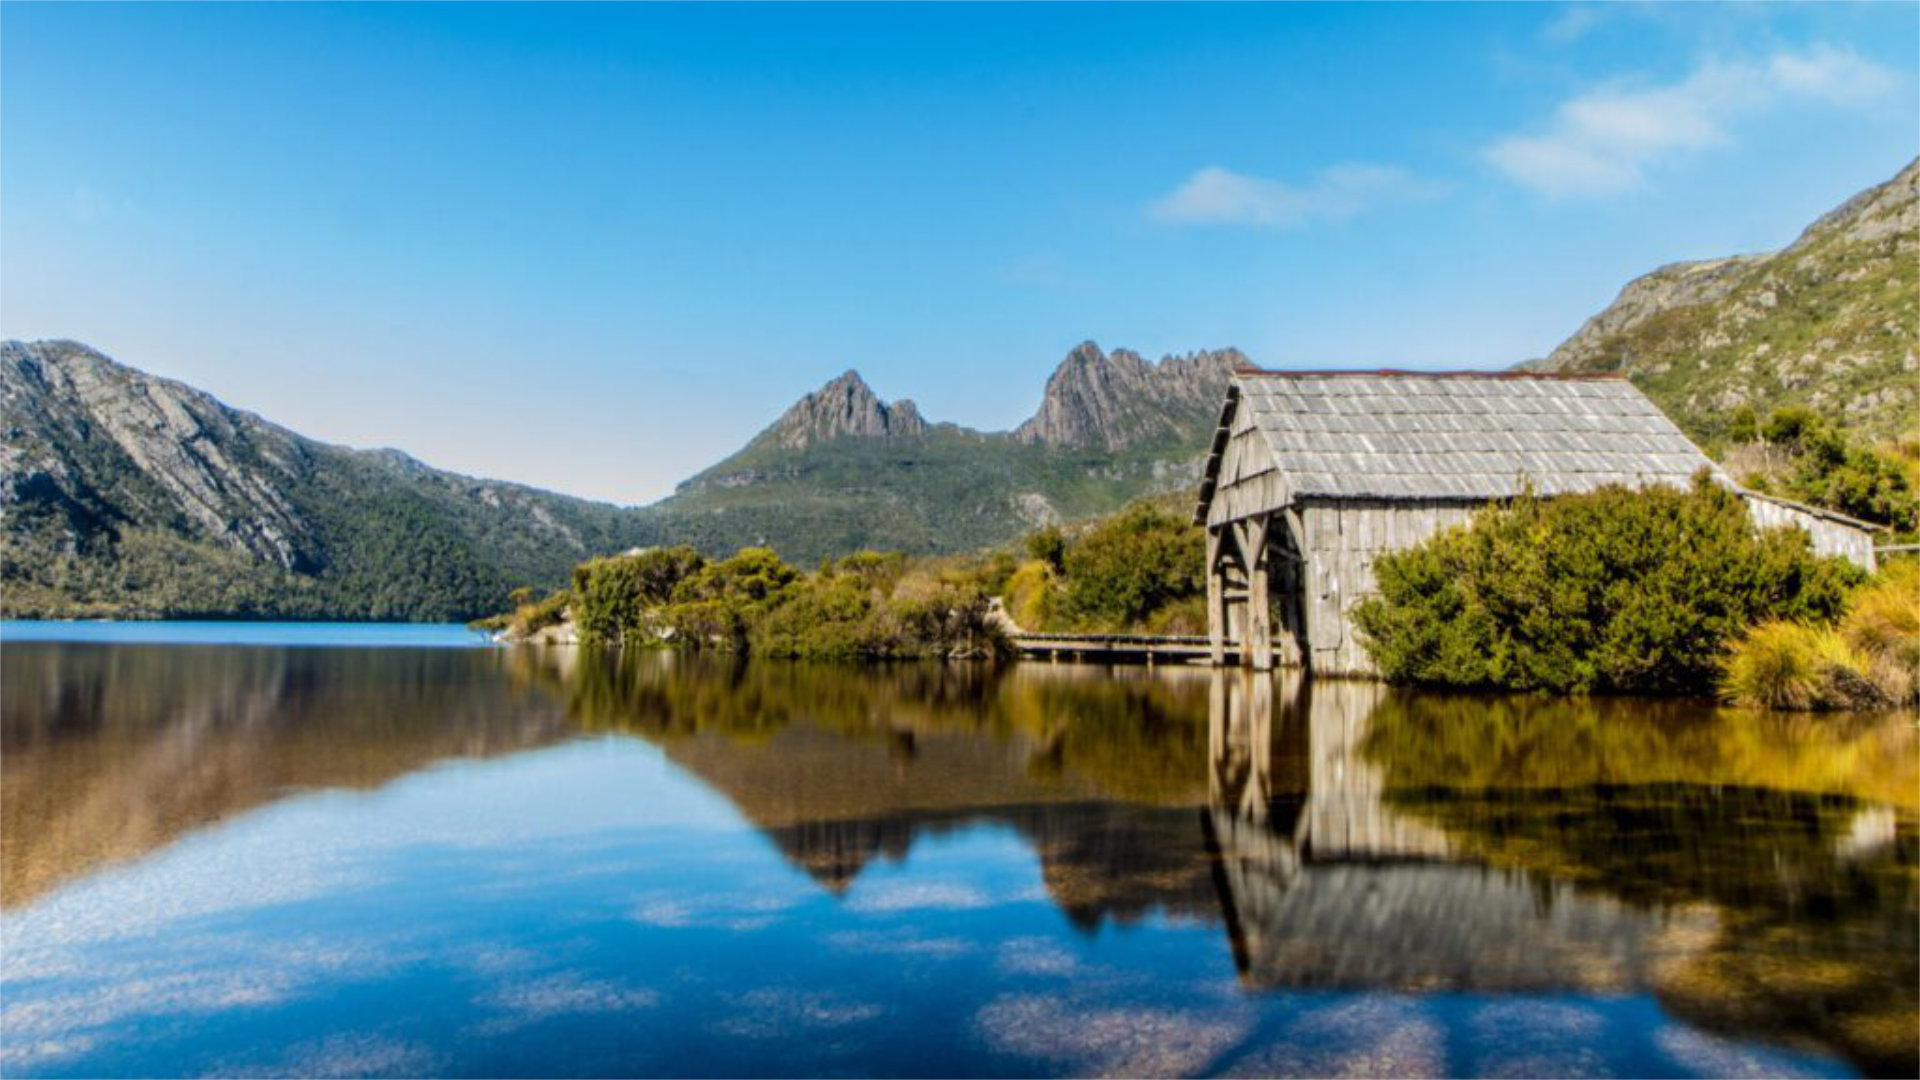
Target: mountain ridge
(1830, 322)
(1109, 428)
(114, 481)
(130, 494)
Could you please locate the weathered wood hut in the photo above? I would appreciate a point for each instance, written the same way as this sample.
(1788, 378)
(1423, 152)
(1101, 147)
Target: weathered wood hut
(1313, 474)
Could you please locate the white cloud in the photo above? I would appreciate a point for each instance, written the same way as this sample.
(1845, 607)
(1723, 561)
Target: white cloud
(1604, 142)
(1218, 196)
(1573, 23)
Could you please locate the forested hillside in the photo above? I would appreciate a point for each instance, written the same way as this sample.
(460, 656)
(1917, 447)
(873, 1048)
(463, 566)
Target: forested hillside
(843, 470)
(128, 495)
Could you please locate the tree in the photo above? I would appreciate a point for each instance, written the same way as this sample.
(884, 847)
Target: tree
(1132, 565)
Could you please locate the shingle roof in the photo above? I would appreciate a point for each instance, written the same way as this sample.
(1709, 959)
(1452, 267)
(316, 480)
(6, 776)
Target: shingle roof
(1456, 435)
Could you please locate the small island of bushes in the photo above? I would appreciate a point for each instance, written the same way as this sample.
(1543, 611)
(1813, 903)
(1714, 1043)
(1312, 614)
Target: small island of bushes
(1140, 569)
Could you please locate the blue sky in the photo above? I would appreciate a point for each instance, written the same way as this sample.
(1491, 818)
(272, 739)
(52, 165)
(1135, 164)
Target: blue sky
(595, 248)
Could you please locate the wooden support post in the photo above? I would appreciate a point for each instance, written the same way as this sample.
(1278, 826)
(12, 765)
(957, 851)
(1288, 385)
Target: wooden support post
(1250, 561)
(1259, 613)
(1216, 601)
(1303, 614)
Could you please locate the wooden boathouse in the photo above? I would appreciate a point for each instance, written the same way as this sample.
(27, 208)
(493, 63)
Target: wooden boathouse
(1312, 474)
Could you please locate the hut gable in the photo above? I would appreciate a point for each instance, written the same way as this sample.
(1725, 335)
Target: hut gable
(1397, 435)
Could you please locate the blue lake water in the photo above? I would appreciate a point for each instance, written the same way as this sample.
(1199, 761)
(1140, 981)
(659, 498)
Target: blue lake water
(262, 859)
(311, 634)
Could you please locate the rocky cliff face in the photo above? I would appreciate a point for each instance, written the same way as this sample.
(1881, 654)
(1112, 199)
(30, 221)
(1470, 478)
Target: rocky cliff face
(844, 408)
(1832, 321)
(127, 494)
(1114, 401)
(96, 441)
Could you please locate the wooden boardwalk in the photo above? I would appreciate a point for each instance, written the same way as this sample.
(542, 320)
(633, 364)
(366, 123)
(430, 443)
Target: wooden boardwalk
(1126, 648)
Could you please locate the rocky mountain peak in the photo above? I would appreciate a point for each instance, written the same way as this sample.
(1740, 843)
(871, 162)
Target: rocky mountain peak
(1110, 401)
(844, 408)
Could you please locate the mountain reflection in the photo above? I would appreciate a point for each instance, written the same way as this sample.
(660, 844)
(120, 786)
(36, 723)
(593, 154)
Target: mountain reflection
(112, 751)
(1756, 874)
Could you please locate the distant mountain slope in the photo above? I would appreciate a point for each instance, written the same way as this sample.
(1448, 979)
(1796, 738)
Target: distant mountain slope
(1830, 322)
(126, 494)
(843, 469)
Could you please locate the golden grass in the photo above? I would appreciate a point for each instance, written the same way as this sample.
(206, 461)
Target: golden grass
(1883, 626)
(1785, 665)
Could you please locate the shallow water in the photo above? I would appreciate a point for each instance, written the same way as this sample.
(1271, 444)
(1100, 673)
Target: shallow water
(263, 859)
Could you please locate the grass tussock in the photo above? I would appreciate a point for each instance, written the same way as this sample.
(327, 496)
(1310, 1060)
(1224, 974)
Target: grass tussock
(1883, 628)
(1868, 659)
(1788, 665)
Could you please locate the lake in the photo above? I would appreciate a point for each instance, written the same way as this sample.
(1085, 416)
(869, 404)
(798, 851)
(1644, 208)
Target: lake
(271, 850)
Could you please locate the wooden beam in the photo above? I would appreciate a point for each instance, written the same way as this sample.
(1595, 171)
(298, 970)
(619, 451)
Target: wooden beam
(1216, 602)
(1303, 626)
(1261, 615)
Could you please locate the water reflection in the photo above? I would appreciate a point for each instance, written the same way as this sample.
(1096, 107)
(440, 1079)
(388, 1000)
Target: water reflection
(112, 751)
(1481, 884)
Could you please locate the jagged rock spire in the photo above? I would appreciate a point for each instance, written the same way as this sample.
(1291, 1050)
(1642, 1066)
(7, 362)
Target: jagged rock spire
(1114, 400)
(844, 408)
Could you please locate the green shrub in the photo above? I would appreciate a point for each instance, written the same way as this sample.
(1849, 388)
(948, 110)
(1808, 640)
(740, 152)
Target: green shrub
(717, 605)
(532, 618)
(994, 572)
(844, 615)
(824, 616)
(1827, 468)
(1032, 596)
(872, 568)
(1048, 545)
(1131, 565)
(1617, 590)
(617, 592)
(929, 615)
(751, 576)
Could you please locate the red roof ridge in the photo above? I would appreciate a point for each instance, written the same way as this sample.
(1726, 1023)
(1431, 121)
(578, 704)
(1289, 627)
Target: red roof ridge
(1316, 373)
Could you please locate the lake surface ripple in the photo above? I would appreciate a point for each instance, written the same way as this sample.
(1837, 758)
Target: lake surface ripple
(269, 859)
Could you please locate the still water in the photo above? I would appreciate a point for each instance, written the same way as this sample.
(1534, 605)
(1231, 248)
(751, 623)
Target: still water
(261, 859)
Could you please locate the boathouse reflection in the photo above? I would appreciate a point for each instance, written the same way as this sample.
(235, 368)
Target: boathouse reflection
(1324, 883)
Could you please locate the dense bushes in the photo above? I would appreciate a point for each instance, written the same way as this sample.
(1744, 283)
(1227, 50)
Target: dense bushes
(1808, 458)
(615, 594)
(1618, 590)
(1869, 659)
(864, 607)
(1133, 565)
(867, 605)
(1141, 569)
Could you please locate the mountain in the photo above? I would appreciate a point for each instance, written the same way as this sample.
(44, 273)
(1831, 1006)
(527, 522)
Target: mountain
(844, 408)
(843, 470)
(126, 494)
(1829, 322)
(1113, 402)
